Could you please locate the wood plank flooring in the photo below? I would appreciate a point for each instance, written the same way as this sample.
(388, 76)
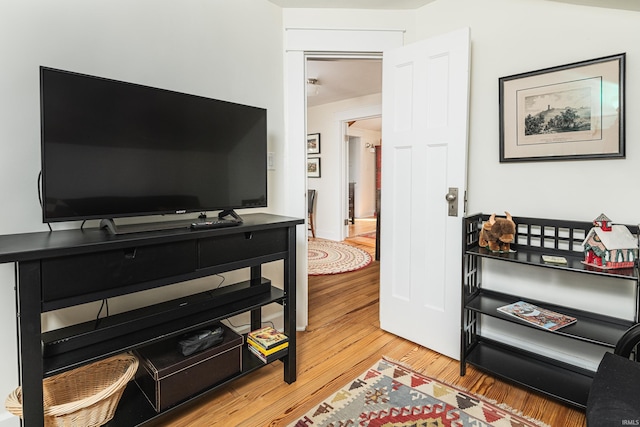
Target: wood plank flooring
(342, 340)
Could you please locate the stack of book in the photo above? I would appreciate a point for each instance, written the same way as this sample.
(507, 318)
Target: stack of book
(268, 344)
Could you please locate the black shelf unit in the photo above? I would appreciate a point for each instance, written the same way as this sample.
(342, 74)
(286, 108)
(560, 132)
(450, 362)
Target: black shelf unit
(101, 265)
(535, 237)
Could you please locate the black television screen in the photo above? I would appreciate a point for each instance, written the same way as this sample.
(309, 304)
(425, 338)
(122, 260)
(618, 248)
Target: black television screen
(115, 149)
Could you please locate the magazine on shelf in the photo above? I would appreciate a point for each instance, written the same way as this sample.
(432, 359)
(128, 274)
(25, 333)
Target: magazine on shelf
(537, 316)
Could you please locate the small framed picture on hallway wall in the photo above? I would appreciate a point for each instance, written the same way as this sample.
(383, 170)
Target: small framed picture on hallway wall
(313, 167)
(313, 143)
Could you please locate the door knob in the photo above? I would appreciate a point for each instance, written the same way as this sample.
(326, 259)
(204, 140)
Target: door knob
(452, 198)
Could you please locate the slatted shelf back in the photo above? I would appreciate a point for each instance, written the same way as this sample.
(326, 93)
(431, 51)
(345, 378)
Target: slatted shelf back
(541, 235)
(538, 234)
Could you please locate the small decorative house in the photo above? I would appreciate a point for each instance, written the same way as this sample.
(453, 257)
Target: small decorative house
(609, 246)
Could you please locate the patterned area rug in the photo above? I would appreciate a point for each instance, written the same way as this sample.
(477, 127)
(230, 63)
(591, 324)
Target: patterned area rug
(329, 257)
(390, 395)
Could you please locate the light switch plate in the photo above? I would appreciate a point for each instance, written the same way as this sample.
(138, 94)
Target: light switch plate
(271, 163)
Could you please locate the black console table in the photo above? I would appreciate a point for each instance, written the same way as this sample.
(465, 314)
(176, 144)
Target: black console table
(70, 267)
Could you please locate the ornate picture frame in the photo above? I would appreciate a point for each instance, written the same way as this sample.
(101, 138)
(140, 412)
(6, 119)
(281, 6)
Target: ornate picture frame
(569, 112)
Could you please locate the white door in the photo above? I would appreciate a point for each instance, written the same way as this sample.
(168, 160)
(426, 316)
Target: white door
(424, 133)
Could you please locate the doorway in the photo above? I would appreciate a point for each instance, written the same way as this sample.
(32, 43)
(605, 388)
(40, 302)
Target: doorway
(363, 140)
(452, 66)
(343, 102)
(299, 44)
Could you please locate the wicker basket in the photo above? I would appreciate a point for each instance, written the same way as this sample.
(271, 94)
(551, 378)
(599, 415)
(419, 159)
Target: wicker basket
(84, 397)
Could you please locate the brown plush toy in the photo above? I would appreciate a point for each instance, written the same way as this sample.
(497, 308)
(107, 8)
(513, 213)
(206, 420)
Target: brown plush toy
(497, 233)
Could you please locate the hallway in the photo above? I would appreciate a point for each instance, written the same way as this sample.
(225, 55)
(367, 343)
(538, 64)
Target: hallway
(363, 234)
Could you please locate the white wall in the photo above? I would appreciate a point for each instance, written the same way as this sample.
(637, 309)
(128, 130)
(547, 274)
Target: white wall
(350, 19)
(229, 50)
(365, 189)
(510, 37)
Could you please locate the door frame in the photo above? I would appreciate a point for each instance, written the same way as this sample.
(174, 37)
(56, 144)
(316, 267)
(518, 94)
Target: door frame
(342, 118)
(299, 43)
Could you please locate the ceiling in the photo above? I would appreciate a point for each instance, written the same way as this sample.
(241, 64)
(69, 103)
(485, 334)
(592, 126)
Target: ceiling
(414, 4)
(352, 4)
(339, 79)
(611, 4)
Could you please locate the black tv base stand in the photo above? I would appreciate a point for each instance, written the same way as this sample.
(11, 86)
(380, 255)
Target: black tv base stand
(232, 214)
(68, 268)
(112, 228)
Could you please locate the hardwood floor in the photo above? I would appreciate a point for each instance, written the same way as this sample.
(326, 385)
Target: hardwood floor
(342, 340)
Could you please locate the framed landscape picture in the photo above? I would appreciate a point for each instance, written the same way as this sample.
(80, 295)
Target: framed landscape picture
(573, 111)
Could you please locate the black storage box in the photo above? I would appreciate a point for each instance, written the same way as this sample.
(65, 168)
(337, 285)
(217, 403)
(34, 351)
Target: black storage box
(166, 377)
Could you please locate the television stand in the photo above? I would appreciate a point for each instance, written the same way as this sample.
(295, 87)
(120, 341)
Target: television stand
(67, 268)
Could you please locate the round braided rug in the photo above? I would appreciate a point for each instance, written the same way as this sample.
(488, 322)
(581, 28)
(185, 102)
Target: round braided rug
(330, 257)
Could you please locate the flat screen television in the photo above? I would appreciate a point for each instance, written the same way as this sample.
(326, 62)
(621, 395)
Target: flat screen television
(114, 149)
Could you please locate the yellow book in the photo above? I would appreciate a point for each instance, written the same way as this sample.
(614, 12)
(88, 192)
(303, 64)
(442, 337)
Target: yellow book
(272, 350)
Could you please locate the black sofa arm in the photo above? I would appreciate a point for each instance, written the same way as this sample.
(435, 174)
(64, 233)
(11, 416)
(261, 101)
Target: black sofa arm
(613, 398)
(628, 341)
